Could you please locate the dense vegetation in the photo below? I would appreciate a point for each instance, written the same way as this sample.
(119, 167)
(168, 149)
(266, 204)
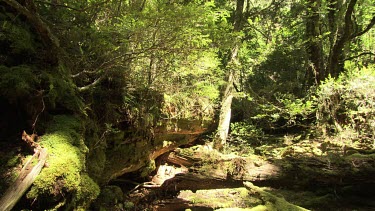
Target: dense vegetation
(111, 85)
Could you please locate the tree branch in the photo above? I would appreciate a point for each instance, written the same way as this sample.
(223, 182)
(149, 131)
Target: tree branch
(93, 84)
(72, 8)
(348, 18)
(87, 72)
(368, 27)
(359, 55)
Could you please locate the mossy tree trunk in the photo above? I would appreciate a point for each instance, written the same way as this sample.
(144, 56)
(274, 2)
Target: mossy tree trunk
(43, 30)
(315, 72)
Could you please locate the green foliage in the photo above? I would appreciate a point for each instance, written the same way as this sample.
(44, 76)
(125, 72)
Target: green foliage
(150, 167)
(281, 71)
(65, 174)
(285, 112)
(347, 103)
(16, 36)
(60, 90)
(244, 133)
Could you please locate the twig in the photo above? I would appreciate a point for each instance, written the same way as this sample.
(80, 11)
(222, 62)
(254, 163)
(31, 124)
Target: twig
(37, 116)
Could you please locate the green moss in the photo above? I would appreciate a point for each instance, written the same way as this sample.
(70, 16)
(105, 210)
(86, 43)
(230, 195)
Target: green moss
(66, 165)
(87, 191)
(97, 158)
(361, 156)
(272, 202)
(17, 82)
(13, 161)
(21, 39)
(60, 90)
(109, 197)
(221, 198)
(129, 205)
(148, 168)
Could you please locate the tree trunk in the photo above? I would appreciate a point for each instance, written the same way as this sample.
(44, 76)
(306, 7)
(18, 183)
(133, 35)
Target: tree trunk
(315, 72)
(226, 103)
(47, 37)
(225, 114)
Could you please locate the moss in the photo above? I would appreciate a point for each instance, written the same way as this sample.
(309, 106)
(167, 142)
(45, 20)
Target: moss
(109, 197)
(257, 208)
(17, 82)
(87, 191)
(272, 202)
(129, 205)
(65, 174)
(361, 156)
(10, 162)
(60, 90)
(97, 158)
(20, 37)
(150, 167)
(221, 198)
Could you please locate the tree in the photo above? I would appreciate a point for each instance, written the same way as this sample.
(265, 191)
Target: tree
(328, 47)
(227, 95)
(314, 45)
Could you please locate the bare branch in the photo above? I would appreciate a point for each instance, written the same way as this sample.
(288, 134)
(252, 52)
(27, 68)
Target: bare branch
(93, 84)
(85, 72)
(359, 55)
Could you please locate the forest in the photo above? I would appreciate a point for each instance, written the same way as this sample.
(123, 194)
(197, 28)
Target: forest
(187, 105)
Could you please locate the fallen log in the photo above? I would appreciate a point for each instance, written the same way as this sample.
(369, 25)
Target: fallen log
(194, 182)
(26, 178)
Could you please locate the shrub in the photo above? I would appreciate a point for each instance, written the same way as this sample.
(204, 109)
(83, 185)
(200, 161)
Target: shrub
(348, 103)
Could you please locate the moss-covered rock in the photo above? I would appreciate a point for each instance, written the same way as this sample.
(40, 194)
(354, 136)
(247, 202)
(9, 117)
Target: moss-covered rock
(65, 174)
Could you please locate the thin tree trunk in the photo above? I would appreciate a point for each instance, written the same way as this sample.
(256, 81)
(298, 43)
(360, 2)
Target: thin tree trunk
(226, 103)
(315, 72)
(225, 114)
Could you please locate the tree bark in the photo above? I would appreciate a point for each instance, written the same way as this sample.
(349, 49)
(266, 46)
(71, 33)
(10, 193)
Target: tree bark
(227, 96)
(337, 55)
(315, 72)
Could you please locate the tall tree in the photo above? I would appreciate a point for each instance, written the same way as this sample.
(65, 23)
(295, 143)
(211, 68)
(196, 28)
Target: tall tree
(227, 95)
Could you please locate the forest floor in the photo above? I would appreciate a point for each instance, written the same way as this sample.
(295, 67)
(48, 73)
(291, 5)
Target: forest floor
(283, 173)
(279, 173)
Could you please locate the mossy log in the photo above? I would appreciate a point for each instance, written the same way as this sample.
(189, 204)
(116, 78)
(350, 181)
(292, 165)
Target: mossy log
(194, 182)
(24, 181)
(130, 157)
(271, 201)
(299, 172)
(178, 204)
